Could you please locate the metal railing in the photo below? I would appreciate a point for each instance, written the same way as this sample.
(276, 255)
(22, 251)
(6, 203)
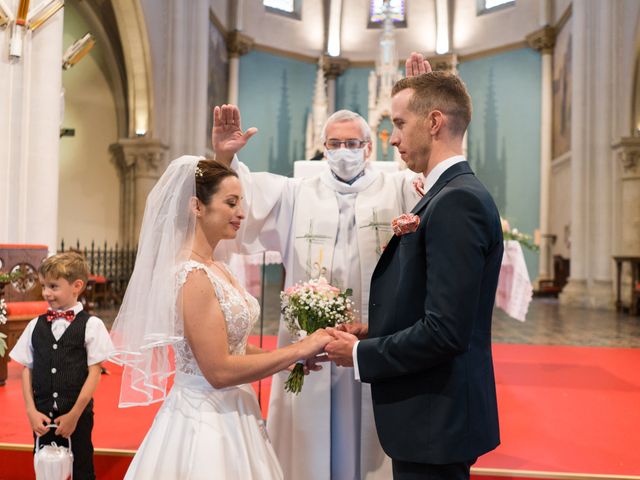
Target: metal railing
(114, 263)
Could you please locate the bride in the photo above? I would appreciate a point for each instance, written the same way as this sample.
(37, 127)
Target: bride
(182, 304)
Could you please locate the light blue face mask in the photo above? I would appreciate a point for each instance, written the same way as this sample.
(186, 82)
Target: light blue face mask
(344, 163)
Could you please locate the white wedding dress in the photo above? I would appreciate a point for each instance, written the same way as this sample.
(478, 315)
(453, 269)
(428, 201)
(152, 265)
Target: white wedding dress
(202, 432)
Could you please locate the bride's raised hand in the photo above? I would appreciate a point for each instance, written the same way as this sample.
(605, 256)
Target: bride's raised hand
(227, 137)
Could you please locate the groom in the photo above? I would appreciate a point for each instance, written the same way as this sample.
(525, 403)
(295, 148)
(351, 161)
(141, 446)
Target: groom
(427, 354)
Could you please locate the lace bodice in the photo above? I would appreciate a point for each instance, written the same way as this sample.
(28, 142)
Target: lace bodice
(240, 309)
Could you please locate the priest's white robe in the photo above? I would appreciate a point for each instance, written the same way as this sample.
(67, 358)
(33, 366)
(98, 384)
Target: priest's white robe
(327, 431)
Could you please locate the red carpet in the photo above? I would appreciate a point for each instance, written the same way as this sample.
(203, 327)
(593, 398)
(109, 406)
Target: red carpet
(565, 412)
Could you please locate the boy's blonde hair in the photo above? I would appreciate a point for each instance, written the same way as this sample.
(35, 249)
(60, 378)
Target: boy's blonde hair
(71, 266)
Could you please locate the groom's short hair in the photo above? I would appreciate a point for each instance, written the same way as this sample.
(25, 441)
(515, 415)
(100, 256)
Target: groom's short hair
(439, 90)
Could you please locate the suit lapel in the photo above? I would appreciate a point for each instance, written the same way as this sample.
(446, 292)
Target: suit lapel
(452, 172)
(449, 174)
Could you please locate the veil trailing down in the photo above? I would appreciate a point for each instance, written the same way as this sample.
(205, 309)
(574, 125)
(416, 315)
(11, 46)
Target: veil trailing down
(201, 431)
(148, 322)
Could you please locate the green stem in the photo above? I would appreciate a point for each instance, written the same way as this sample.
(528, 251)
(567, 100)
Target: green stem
(296, 380)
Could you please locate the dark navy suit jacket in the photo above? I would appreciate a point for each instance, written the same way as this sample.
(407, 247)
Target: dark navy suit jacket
(428, 355)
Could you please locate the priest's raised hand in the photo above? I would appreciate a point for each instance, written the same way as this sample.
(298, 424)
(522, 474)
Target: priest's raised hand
(227, 137)
(416, 65)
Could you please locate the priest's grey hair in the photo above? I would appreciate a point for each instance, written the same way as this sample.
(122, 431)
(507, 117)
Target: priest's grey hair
(347, 116)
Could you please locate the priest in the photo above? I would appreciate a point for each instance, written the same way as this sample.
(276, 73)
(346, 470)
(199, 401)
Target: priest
(337, 222)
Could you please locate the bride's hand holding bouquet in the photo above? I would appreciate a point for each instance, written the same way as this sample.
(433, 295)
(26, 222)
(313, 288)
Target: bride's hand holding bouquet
(307, 309)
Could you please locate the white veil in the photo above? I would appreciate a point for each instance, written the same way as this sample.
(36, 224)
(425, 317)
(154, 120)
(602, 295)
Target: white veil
(148, 322)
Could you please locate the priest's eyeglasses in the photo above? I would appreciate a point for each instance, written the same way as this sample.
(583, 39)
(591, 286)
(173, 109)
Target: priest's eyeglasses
(351, 144)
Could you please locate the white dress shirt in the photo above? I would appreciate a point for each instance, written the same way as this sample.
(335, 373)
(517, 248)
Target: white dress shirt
(96, 339)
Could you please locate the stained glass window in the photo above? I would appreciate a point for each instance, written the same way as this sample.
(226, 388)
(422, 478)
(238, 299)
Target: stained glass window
(284, 5)
(485, 6)
(398, 12)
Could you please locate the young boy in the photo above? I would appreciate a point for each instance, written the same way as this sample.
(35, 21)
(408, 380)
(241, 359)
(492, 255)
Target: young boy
(61, 352)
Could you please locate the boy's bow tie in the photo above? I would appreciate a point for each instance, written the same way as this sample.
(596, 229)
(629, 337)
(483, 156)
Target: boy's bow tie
(68, 315)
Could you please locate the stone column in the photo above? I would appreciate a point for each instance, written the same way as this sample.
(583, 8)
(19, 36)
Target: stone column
(594, 40)
(30, 101)
(238, 44)
(187, 58)
(543, 40)
(333, 67)
(139, 162)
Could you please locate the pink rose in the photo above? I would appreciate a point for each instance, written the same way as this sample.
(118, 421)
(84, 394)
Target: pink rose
(405, 223)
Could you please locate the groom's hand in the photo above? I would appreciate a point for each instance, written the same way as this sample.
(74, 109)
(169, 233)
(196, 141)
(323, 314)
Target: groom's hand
(360, 330)
(313, 364)
(340, 349)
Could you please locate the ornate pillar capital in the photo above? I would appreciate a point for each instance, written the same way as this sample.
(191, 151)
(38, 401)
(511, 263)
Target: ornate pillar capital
(238, 43)
(543, 39)
(145, 157)
(139, 162)
(628, 152)
(334, 66)
(448, 62)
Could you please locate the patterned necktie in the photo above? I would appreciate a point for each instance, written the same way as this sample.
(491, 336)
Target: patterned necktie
(68, 315)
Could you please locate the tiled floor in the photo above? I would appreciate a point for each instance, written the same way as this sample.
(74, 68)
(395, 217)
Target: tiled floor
(548, 323)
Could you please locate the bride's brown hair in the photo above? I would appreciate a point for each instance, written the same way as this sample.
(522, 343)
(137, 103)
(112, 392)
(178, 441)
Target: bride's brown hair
(209, 174)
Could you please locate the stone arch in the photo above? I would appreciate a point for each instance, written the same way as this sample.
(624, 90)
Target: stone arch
(119, 27)
(635, 95)
(122, 54)
(137, 59)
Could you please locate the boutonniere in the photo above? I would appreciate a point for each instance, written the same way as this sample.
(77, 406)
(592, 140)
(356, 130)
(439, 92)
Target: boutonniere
(418, 185)
(405, 223)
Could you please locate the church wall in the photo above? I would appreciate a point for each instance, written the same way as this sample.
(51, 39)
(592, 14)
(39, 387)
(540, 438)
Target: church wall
(359, 42)
(89, 186)
(157, 17)
(559, 8)
(304, 36)
(275, 95)
(220, 9)
(504, 135)
(628, 69)
(492, 30)
(352, 90)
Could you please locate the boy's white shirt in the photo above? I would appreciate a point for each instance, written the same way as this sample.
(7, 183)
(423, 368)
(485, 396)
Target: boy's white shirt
(96, 340)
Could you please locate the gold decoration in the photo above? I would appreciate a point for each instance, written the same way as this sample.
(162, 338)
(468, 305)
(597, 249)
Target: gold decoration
(23, 9)
(44, 13)
(4, 15)
(77, 51)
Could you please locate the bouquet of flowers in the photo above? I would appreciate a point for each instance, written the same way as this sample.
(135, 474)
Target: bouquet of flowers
(309, 306)
(525, 240)
(3, 320)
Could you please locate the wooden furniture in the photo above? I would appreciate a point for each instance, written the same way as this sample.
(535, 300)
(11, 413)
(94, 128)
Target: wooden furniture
(634, 263)
(20, 313)
(552, 288)
(23, 259)
(23, 295)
